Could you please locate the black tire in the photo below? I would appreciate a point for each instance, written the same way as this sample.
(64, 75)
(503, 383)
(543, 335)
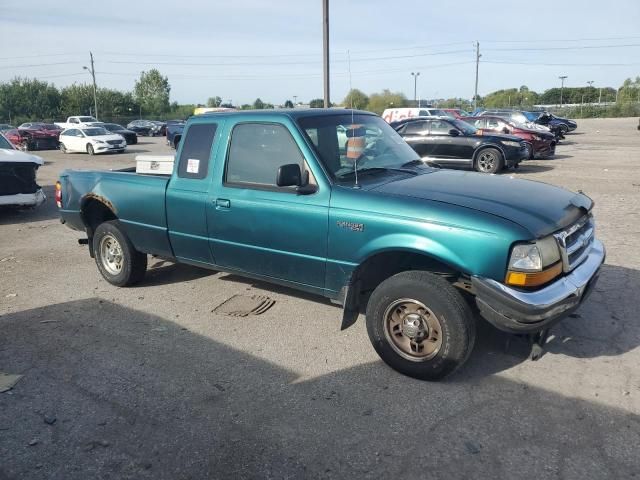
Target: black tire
(489, 160)
(133, 264)
(442, 302)
(531, 152)
(90, 150)
(563, 130)
(63, 148)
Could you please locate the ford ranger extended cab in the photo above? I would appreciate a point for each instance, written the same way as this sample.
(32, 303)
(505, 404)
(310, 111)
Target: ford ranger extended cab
(334, 202)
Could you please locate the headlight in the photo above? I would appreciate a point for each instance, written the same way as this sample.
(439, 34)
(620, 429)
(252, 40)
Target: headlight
(509, 143)
(533, 264)
(99, 141)
(537, 137)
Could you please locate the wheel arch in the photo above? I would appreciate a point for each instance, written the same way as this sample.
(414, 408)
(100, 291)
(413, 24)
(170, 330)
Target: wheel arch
(484, 146)
(94, 210)
(382, 264)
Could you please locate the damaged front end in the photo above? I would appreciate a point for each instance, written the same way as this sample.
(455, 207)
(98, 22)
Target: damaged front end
(18, 187)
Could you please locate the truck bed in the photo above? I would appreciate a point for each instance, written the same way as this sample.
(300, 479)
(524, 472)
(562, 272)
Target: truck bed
(137, 200)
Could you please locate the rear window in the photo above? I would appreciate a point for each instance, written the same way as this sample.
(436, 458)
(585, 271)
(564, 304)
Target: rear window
(196, 150)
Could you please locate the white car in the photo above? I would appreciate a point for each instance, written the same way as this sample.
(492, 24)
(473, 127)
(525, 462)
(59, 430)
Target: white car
(78, 121)
(18, 187)
(91, 140)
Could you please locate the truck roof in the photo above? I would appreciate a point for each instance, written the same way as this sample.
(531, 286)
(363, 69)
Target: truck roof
(293, 113)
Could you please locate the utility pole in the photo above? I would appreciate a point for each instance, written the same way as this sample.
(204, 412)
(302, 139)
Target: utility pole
(562, 78)
(600, 96)
(415, 86)
(92, 70)
(590, 82)
(325, 50)
(475, 96)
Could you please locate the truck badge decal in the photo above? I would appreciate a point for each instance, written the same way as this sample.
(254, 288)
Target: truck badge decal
(354, 227)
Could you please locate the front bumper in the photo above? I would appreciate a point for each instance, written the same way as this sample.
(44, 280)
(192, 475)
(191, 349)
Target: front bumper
(544, 149)
(520, 311)
(99, 148)
(23, 199)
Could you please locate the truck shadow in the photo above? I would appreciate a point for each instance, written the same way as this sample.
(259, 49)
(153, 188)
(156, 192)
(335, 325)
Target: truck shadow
(162, 272)
(112, 392)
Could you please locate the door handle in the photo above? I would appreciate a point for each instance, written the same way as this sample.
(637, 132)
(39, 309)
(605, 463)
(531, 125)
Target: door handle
(223, 203)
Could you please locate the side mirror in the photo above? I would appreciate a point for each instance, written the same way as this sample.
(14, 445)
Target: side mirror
(289, 176)
(505, 130)
(453, 132)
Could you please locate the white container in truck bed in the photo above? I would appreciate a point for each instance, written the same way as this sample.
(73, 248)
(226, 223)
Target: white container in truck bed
(155, 164)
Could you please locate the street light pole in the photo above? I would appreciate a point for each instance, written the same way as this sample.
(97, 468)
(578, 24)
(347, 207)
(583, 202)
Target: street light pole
(415, 85)
(562, 78)
(95, 89)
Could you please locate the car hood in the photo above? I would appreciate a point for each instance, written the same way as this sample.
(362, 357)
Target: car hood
(499, 136)
(538, 207)
(15, 156)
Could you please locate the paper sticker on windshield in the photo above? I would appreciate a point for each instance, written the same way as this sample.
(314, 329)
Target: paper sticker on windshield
(193, 165)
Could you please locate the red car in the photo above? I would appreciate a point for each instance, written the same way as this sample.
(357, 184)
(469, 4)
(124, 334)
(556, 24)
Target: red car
(541, 144)
(35, 137)
(456, 113)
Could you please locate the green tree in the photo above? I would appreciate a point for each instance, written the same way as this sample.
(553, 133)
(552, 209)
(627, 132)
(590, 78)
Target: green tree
(629, 91)
(386, 99)
(24, 99)
(356, 99)
(152, 92)
(288, 104)
(214, 101)
(258, 104)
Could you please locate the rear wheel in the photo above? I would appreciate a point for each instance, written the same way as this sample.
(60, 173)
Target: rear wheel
(420, 325)
(118, 261)
(90, 150)
(489, 160)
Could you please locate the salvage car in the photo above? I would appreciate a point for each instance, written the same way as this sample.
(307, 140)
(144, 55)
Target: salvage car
(539, 144)
(452, 143)
(271, 195)
(548, 119)
(33, 138)
(91, 140)
(145, 128)
(18, 187)
(130, 136)
(173, 132)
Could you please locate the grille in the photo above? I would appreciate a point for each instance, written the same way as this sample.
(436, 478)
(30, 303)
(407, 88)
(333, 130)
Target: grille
(575, 242)
(114, 142)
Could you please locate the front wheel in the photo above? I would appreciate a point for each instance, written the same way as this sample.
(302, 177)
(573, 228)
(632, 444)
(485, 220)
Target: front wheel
(90, 150)
(118, 261)
(420, 325)
(63, 148)
(489, 160)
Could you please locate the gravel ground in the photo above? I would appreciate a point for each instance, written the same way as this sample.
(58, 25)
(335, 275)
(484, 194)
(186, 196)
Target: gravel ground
(149, 382)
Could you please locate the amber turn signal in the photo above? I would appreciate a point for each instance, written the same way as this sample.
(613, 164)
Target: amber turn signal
(533, 279)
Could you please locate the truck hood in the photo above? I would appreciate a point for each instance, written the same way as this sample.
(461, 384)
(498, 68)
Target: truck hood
(538, 207)
(15, 156)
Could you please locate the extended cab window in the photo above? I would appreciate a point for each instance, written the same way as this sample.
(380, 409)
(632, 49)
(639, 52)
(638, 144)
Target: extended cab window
(417, 128)
(196, 150)
(256, 152)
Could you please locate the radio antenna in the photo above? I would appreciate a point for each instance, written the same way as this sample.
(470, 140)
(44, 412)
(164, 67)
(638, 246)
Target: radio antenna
(355, 160)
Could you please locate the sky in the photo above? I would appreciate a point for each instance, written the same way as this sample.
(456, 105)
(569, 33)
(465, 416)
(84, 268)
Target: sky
(244, 49)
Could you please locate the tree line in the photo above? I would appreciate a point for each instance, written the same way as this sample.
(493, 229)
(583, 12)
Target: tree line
(24, 99)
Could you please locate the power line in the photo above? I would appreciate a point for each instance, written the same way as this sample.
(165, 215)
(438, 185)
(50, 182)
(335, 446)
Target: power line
(544, 49)
(563, 64)
(38, 65)
(40, 56)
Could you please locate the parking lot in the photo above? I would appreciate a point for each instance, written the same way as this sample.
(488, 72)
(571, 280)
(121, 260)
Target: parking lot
(150, 382)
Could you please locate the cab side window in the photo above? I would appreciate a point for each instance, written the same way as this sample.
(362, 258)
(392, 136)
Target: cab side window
(439, 127)
(196, 150)
(256, 152)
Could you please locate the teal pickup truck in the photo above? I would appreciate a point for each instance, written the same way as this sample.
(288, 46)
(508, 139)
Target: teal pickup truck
(334, 202)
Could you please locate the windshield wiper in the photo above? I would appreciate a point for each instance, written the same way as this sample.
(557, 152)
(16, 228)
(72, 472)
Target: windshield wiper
(364, 171)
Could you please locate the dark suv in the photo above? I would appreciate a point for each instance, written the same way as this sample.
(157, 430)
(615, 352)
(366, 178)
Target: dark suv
(449, 142)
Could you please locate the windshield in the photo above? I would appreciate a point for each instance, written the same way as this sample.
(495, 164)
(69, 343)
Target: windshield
(344, 142)
(531, 116)
(93, 132)
(4, 143)
(439, 113)
(464, 127)
(87, 119)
